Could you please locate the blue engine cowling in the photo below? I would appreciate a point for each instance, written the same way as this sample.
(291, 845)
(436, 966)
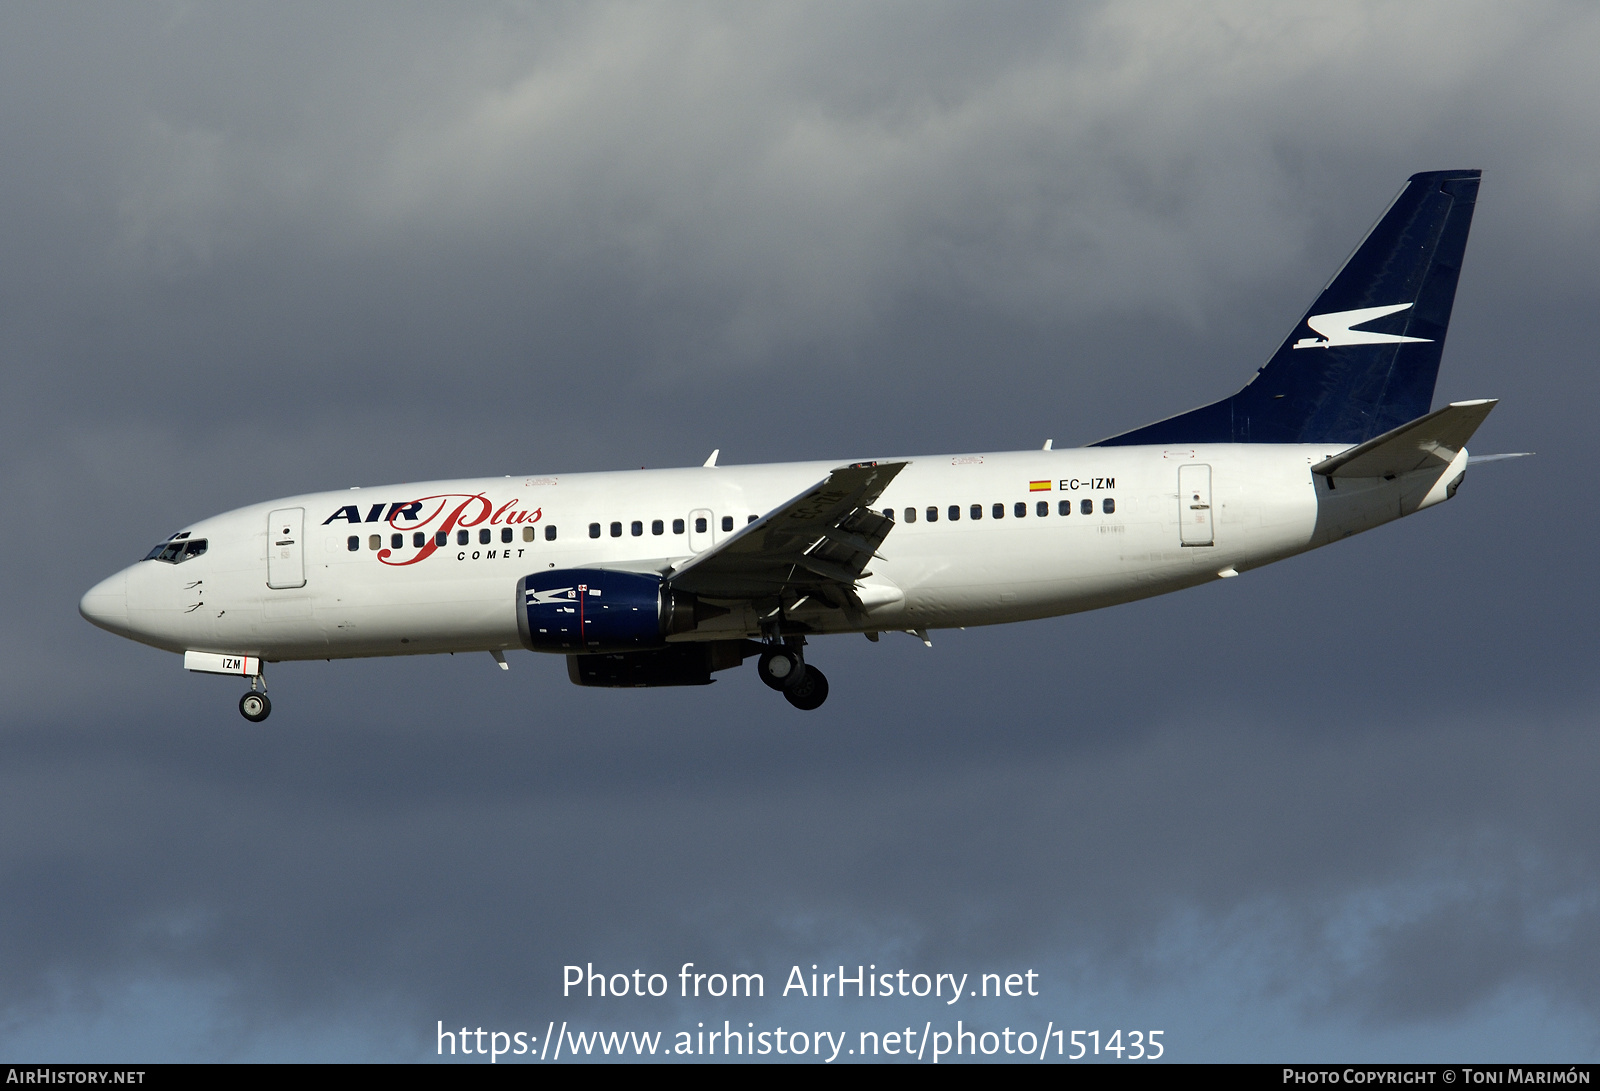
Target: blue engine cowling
(596, 610)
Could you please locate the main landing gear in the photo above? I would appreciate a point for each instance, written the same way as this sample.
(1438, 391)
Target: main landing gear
(783, 667)
(809, 691)
(254, 706)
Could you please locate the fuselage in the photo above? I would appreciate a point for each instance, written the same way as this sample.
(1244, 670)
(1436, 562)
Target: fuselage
(979, 539)
(663, 577)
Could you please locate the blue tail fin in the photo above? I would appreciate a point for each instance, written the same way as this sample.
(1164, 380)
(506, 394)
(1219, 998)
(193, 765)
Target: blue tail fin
(1330, 382)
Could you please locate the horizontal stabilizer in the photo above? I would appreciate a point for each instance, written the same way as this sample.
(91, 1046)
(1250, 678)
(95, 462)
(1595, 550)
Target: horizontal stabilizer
(1430, 441)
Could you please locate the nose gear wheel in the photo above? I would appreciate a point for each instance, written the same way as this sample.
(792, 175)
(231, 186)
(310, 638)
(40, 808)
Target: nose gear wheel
(255, 707)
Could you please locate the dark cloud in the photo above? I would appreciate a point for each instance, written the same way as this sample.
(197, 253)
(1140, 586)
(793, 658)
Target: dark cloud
(252, 252)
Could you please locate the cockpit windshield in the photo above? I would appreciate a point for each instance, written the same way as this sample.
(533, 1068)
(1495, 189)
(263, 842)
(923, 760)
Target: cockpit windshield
(177, 552)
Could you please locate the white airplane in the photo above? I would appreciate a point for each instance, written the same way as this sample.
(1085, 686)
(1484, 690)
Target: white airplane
(662, 577)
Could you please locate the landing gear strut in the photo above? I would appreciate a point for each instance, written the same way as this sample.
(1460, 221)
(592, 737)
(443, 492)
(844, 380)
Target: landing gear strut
(254, 706)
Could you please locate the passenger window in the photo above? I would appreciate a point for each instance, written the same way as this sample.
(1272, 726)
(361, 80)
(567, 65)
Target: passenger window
(911, 515)
(700, 524)
(353, 543)
(374, 541)
(1108, 505)
(977, 511)
(1042, 508)
(527, 534)
(419, 539)
(677, 526)
(998, 511)
(505, 534)
(888, 513)
(657, 526)
(594, 530)
(484, 537)
(1065, 507)
(751, 519)
(637, 529)
(439, 539)
(954, 513)
(397, 541)
(616, 530)
(550, 533)
(463, 537)
(1020, 509)
(933, 514)
(727, 522)
(1086, 506)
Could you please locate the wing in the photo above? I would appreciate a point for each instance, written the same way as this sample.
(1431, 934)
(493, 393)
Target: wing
(818, 544)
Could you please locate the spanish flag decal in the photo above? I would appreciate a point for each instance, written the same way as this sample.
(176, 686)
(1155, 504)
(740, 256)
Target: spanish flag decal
(1038, 486)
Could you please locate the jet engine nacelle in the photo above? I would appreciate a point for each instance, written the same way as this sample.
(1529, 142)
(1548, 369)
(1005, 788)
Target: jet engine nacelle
(598, 610)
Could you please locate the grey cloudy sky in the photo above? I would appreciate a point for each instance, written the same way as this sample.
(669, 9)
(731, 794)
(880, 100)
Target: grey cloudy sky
(1341, 808)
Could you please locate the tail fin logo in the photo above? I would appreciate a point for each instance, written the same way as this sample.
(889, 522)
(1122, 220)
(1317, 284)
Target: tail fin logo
(1336, 331)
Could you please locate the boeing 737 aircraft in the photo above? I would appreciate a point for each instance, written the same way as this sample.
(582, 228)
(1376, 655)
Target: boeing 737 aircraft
(662, 577)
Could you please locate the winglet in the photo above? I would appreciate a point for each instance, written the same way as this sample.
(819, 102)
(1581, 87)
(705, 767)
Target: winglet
(711, 462)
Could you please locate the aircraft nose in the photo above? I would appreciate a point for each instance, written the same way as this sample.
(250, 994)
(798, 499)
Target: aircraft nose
(106, 604)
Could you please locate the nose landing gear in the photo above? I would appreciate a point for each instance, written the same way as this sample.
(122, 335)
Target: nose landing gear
(255, 706)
